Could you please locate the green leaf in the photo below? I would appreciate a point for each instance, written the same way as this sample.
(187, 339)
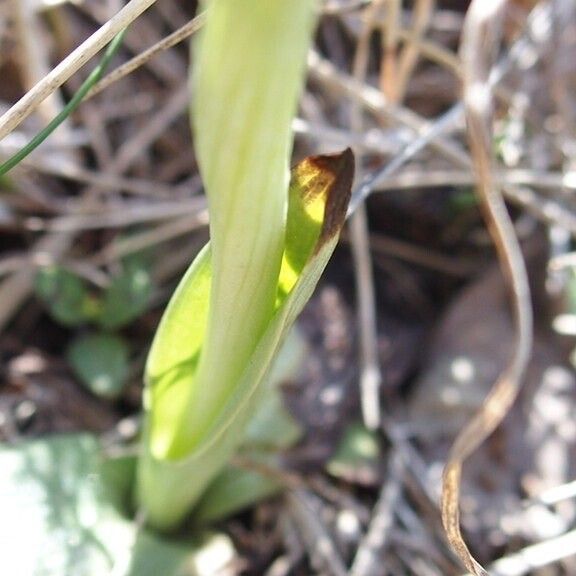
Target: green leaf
(357, 455)
(101, 362)
(128, 295)
(168, 486)
(65, 295)
(234, 490)
(271, 429)
(59, 499)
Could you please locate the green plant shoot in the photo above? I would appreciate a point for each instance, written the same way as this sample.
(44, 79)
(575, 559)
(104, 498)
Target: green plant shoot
(247, 77)
(268, 247)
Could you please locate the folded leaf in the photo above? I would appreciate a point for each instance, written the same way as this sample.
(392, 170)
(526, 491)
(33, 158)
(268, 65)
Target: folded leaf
(318, 199)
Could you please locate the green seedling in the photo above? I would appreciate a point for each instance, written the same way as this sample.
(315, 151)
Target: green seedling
(271, 237)
(101, 362)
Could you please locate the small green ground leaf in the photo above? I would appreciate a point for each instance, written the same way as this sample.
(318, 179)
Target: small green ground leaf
(175, 352)
(59, 518)
(357, 456)
(234, 490)
(65, 295)
(101, 362)
(128, 296)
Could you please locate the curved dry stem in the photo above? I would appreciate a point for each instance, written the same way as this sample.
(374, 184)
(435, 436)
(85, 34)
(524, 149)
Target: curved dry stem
(480, 37)
(73, 62)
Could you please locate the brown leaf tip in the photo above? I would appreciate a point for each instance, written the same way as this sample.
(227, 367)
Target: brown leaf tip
(340, 167)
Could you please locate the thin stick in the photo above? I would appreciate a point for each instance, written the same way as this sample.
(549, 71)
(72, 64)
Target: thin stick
(166, 231)
(479, 38)
(131, 150)
(376, 539)
(446, 123)
(529, 559)
(422, 14)
(135, 63)
(304, 508)
(370, 374)
(434, 52)
(103, 180)
(421, 256)
(117, 218)
(32, 53)
(389, 64)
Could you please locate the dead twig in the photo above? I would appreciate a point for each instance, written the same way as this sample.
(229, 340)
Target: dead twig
(480, 36)
(175, 38)
(370, 374)
(374, 543)
(422, 14)
(305, 510)
(536, 556)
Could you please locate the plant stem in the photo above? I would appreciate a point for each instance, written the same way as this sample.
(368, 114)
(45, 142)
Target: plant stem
(248, 74)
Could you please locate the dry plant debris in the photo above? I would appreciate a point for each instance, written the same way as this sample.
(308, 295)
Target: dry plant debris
(433, 333)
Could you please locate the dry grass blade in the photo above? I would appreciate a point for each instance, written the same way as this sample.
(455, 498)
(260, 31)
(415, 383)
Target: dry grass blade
(536, 556)
(305, 508)
(377, 536)
(34, 63)
(389, 64)
(423, 11)
(370, 374)
(175, 38)
(479, 39)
